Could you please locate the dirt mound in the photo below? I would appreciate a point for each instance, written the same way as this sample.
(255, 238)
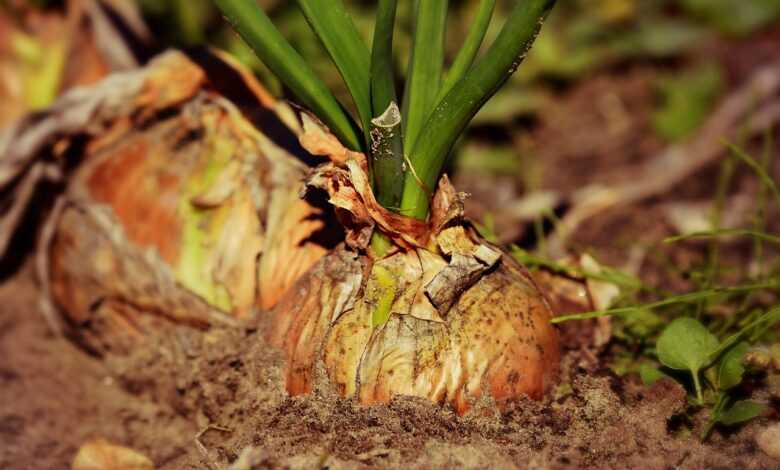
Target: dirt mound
(197, 400)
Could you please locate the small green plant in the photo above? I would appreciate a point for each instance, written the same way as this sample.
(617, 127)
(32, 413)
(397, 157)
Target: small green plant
(687, 345)
(407, 144)
(680, 337)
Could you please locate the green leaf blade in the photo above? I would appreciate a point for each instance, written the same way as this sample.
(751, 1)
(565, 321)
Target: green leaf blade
(731, 369)
(686, 345)
(468, 51)
(254, 26)
(739, 412)
(387, 154)
(333, 26)
(650, 374)
(453, 113)
(382, 74)
(425, 67)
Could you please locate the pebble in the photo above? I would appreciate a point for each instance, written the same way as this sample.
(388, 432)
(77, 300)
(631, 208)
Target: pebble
(768, 439)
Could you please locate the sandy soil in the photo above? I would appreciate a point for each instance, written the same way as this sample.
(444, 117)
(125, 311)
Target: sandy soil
(194, 400)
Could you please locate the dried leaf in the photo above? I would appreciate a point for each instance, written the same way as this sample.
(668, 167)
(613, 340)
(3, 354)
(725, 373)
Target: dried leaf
(350, 192)
(99, 454)
(468, 261)
(602, 293)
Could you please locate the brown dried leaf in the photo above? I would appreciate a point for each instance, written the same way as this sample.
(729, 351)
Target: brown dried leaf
(99, 454)
(468, 261)
(350, 192)
(447, 205)
(317, 140)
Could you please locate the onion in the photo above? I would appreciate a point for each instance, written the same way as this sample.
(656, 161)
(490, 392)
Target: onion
(180, 212)
(446, 316)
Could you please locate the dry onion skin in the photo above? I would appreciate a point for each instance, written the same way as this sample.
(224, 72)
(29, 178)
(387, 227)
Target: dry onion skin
(180, 211)
(99, 454)
(446, 316)
(44, 51)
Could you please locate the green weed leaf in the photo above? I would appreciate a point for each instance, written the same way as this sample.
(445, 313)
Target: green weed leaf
(741, 411)
(731, 369)
(643, 323)
(650, 374)
(687, 345)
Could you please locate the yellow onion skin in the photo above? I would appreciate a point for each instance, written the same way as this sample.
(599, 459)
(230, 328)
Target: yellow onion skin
(444, 315)
(44, 51)
(192, 217)
(496, 339)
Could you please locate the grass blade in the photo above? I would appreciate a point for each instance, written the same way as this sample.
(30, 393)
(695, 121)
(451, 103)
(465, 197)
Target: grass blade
(672, 300)
(769, 319)
(425, 67)
(387, 155)
(470, 47)
(254, 26)
(763, 236)
(453, 113)
(758, 169)
(335, 29)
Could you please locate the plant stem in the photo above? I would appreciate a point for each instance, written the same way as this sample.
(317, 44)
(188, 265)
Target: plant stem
(697, 386)
(470, 47)
(380, 244)
(425, 67)
(387, 155)
(254, 26)
(335, 29)
(723, 399)
(386, 131)
(454, 112)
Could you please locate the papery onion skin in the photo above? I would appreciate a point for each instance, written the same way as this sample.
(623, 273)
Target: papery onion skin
(444, 316)
(496, 339)
(189, 217)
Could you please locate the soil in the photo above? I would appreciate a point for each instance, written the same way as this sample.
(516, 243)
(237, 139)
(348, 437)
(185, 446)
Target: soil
(200, 401)
(196, 400)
